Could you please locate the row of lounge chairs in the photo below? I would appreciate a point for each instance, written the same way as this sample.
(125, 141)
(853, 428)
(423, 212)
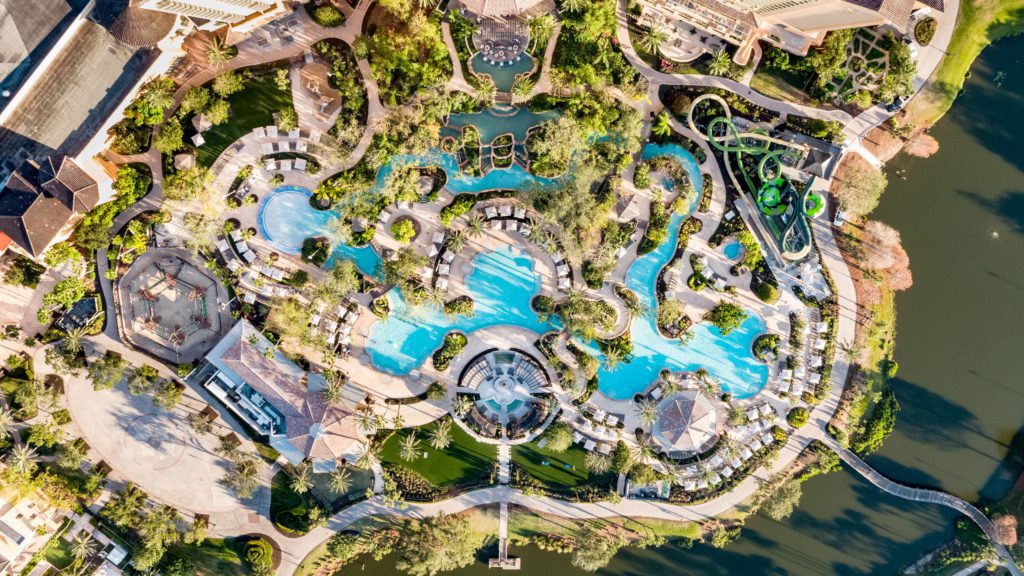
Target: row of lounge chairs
(335, 325)
(692, 480)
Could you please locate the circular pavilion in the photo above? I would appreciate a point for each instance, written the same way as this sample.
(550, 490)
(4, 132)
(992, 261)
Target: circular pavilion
(507, 388)
(687, 423)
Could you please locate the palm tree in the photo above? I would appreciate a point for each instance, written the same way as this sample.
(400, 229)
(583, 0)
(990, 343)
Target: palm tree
(612, 358)
(720, 63)
(218, 53)
(426, 4)
(662, 127)
(541, 28)
(710, 386)
(82, 546)
(644, 452)
(573, 5)
(851, 351)
(366, 421)
(433, 297)
(441, 435)
(737, 416)
(332, 391)
(597, 463)
(652, 38)
(22, 459)
(486, 90)
(522, 89)
(340, 480)
(647, 410)
(398, 421)
(463, 405)
(408, 449)
(475, 225)
(456, 241)
(670, 385)
(302, 481)
(6, 422)
(369, 457)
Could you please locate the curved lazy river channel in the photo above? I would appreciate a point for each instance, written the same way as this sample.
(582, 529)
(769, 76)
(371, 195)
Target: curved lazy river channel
(503, 282)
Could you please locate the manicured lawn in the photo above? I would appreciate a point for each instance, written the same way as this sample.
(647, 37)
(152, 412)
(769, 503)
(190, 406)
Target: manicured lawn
(787, 86)
(214, 557)
(563, 471)
(58, 553)
(464, 460)
(528, 524)
(254, 106)
(287, 509)
(978, 24)
(360, 479)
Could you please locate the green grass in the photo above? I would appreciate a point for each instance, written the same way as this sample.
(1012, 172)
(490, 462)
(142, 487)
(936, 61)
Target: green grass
(464, 460)
(525, 523)
(782, 85)
(253, 106)
(58, 553)
(978, 24)
(361, 480)
(214, 557)
(565, 470)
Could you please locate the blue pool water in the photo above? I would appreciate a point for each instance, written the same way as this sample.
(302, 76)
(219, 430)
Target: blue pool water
(514, 177)
(285, 218)
(504, 281)
(504, 76)
(501, 285)
(493, 122)
(732, 250)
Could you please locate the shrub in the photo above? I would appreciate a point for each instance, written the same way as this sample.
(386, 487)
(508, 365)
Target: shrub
(766, 293)
(462, 204)
(260, 556)
(878, 427)
(642, 176)
(726, 316)
(459, 305)
(316, 250)
(924, 30)
(403, 231)
(453, 344)
(559, 437)
(890, 367)
(798, 417)
(327, 16)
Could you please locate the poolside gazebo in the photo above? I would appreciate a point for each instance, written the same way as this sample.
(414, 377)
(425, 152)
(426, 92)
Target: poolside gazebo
(687, 422)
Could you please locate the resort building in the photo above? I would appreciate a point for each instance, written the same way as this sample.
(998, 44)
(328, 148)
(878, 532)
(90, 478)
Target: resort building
(508, 388)
(41, 200)
(240, 15)
(25, 524)
(793, 25)
(686, 424)
(282, 402)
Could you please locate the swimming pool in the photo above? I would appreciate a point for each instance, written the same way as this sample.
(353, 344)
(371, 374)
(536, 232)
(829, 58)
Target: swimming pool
(502, 284)
(504, 76)
(732, 250)
(285, 218)
(504, 281)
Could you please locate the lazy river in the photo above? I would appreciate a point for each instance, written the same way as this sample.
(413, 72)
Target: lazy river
(503, 282)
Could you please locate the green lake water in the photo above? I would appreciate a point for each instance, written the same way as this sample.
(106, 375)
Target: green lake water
(959, 344)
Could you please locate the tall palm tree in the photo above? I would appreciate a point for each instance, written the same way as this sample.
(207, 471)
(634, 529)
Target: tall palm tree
(597, 463)
(408, 449)
(522, 88)
(426, 4)
(486, 91)
(613, 357)
(332, 391)
(661, 126)
(456, 241)
(366, 421)
(644, 452)
(851, 351)
(340, 481)
(22, 459)
(475, 225)
(441, 435)
(647, 410)
(710, 386)
(652, 38)
(541, 28)
(218, 53)
(82, 546)
(720, 63)
(670, 385)
(573, 5)
(398, 421)
(369, 457)
(6, 422)
(302, 480)
(463, 405)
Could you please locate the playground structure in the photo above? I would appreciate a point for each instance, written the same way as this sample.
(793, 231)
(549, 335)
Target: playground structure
(784, 204)
(168, 302)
